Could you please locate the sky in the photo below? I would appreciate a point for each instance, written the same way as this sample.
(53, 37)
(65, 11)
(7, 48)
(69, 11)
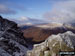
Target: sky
(28, 8)
(51, 10)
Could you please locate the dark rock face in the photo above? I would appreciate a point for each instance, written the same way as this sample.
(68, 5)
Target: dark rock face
(12, 42)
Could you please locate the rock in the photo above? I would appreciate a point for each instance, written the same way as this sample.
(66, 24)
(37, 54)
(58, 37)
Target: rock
(12, 42)
(46, 53)
(54, 44)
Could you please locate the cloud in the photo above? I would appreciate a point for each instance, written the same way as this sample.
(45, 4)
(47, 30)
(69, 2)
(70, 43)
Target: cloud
(23, 18)
(62, 11)
(11, 6)
(27, 21)
(5, 10)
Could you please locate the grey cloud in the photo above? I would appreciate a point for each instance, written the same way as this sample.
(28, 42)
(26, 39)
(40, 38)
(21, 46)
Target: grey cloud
(62, 12)
(11, 6)
(6, 10)
(14, 4)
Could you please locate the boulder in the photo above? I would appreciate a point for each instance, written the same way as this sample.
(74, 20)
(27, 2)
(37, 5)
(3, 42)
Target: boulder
(54, 44)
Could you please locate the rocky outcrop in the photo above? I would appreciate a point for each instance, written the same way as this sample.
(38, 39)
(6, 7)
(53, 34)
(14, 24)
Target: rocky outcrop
(55, 43)
(12, 42)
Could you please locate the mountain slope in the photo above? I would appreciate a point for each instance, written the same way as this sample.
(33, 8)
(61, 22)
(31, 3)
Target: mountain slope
(12, 42)
(38, 33)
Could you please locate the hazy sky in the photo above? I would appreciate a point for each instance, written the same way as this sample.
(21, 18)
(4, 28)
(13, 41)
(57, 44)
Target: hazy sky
(27, 8)
(54, 10)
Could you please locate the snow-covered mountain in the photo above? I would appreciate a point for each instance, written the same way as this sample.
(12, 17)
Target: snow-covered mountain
(15, 41)
(50, 25)
(40, 32)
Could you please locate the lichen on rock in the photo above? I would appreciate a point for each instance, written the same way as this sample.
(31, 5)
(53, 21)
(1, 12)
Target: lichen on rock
(54, 44)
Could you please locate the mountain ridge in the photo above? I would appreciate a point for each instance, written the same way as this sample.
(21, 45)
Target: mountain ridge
(40, 32)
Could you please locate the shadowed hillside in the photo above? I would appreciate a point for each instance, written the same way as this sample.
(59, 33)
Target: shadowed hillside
(39, 33)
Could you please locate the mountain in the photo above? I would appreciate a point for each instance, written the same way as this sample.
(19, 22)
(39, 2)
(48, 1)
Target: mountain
(49, 25)
(39, 32)
(54, 44)
(48, 39)
(12, 41)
